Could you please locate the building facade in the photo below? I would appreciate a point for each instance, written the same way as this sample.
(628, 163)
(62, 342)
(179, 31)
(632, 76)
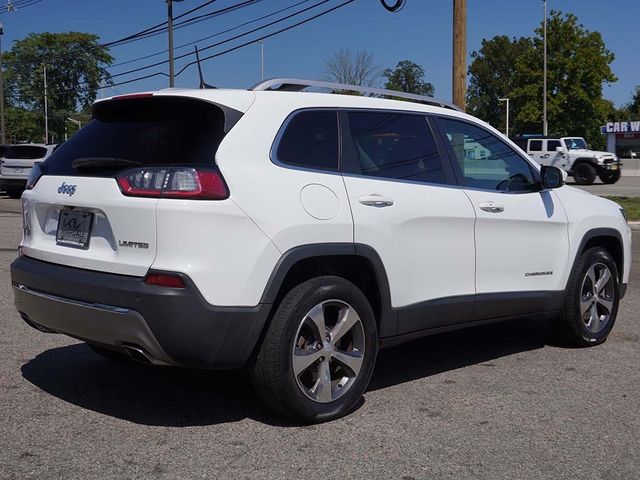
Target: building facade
(623, 138)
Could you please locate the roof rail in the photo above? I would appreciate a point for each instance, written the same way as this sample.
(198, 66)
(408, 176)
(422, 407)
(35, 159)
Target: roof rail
(297, 85)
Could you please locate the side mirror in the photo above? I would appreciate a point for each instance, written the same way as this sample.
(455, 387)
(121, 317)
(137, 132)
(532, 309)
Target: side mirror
(559, 149)
(552, 177)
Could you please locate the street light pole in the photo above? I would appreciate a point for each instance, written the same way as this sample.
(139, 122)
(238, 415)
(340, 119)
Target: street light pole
(545, 124)
(2, 132)
(261, 60)
(46, 108)
(507, 126)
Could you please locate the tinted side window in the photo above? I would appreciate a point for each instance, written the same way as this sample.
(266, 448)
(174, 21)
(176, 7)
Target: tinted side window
(485, 160)
(552, 145)
(310, 140)
(395, 145)
(535, 145)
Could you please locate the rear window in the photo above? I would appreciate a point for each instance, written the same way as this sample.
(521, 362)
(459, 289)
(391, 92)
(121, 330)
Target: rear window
(141, 132)
(25, 152)
(535, 145)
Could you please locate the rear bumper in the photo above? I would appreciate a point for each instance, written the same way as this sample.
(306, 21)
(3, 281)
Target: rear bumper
(172, 326)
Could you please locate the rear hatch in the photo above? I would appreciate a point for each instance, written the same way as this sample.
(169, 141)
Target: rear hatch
(77, 214)
(18, 160)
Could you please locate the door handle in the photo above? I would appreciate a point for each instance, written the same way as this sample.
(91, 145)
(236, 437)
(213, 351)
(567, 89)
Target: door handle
(546, 155)
(491, 207)
(375, 201)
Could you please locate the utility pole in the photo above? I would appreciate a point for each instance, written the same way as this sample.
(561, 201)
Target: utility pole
(2, 132)
(46, 108)
(507, 126)
(459, 80)
(545, 124)
(170, 29)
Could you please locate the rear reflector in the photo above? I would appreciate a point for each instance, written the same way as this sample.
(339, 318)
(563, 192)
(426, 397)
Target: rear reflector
(164, 280)
(173, 182)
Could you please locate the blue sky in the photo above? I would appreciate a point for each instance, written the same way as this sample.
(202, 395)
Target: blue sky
(420, 32)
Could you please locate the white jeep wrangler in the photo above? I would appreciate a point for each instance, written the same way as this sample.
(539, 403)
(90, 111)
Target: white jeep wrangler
(573, 155)
(297, 233)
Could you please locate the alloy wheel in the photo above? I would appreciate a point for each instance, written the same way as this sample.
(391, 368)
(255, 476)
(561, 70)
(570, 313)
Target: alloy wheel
(597, 297)
(328, 352)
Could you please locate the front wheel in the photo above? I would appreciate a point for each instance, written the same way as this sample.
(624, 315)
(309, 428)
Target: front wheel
(591, 301)
(584, 174)
(317, 357)
(609, 176)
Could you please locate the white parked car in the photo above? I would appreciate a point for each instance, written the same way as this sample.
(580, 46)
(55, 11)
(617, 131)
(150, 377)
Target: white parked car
(296, 233)
(16, 164)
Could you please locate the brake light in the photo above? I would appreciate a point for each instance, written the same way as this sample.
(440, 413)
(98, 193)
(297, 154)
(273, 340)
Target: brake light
(173, 182)
(164, 280)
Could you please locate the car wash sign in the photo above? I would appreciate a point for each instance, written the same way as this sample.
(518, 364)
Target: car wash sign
(621, 127)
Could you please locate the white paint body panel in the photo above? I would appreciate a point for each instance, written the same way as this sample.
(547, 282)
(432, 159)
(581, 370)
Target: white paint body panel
(530, 235)
(425, 239)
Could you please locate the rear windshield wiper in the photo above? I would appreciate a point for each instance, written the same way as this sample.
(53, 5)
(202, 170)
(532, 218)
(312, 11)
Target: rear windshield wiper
(99, 162)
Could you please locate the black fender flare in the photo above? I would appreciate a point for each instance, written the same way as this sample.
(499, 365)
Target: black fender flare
(387, 323)
(594, 233)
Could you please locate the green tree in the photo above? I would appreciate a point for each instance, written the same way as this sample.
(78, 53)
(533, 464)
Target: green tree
(408, 77)
(579, 65)
(493, 73)
(76, 68)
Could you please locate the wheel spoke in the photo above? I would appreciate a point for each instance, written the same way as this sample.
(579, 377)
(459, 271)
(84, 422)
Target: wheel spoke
(594, 320)
(591, 274)
(303, 358)
(603, 280)
(322, 388)
(352, 360)
(316, 315)
(585, 304)
(348, 318)
(606, 303)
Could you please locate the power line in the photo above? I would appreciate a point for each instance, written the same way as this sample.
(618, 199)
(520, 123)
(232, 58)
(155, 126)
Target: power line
(190, 21)
(217, 34)
(282, 30)
(13, 7)
(208, 47)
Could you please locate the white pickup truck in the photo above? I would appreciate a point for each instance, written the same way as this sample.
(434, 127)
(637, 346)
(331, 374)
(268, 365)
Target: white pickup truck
(573, 155)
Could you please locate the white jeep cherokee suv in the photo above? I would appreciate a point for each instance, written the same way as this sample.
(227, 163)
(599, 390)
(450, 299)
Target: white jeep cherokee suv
(296, 233)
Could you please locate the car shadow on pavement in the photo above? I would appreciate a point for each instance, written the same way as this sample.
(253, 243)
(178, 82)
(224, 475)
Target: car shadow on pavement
(164, 396)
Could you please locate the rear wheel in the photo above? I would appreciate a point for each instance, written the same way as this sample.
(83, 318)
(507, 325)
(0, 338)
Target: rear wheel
(584, 174)
(591, 302)
(318, 354)
(609, 176)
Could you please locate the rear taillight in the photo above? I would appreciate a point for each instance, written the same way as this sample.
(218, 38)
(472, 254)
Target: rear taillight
(173, 182)
(164, 280)
(34, 175)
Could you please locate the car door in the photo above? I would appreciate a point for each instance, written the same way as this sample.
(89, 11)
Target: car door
(521, 234)
(406, 206)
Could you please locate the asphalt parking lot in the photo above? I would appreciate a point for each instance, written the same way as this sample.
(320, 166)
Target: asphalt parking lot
(495, 402)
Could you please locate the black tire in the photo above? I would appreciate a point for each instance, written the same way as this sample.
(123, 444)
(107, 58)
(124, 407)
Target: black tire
(14, 192)
(584, 174)
(609, 176)
(571, 328)
(112, 355)
(273, 372)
